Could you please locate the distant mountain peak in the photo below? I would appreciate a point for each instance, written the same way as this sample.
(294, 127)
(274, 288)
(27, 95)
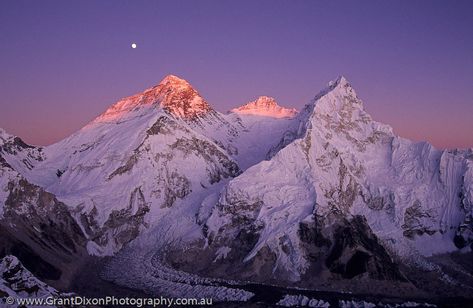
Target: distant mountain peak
(173, 94)
(266, 106)
(266, 101)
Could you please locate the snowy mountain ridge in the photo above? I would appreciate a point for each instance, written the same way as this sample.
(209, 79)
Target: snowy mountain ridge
(265, 106)
(345, 170)
(124, 170)
(262, 193)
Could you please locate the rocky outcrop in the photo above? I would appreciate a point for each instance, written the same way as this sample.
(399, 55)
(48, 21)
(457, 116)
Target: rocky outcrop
(14, 151)
(16, 281)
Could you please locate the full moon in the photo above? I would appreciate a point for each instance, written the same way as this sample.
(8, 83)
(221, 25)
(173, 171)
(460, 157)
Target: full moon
(133, 45)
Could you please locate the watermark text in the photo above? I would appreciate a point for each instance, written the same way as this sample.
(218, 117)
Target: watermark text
(107, 301)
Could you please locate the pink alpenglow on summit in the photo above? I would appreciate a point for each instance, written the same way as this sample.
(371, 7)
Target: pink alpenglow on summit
(173, 94)
(266, 106)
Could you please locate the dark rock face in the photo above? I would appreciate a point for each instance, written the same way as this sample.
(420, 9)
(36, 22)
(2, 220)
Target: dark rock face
(48, 221)
(413, 221)
(164, 126)
(311, 234)
(4, 163)
(130, 163)
(347, 248)
(39, 230)
(356, 250)
(379, 202)
(464, 234)
(246, 239)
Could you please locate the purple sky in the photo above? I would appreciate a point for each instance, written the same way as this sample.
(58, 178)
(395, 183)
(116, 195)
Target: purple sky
(64, 62)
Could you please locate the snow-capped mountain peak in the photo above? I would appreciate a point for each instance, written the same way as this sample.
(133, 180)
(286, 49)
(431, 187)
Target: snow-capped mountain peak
(340, 81)
(175, 80)
(266, 106)
(173, 94)
(337, 97)
(181, 99)
(265, 101)
(339, 113)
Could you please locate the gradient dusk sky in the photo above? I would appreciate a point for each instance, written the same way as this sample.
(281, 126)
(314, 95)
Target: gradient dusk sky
(64, 62)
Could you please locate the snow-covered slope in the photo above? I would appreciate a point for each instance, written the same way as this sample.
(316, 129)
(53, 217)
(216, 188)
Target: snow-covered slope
(123, 171)
(120, 174)
(260, 193)
(346, 170)
(261, 136)
(17, 154)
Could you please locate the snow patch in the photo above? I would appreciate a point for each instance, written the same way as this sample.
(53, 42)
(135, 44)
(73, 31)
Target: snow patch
(301, 301)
